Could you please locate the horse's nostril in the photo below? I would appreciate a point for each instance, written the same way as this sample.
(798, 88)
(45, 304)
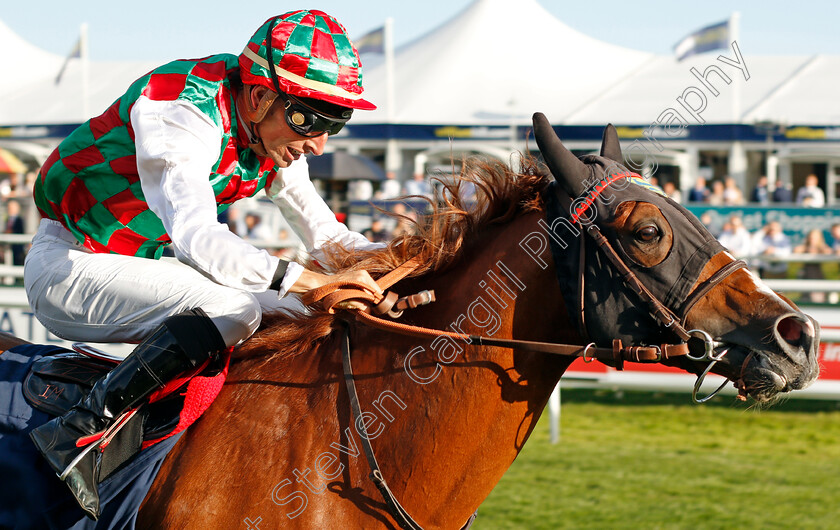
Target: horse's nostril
(790, 329)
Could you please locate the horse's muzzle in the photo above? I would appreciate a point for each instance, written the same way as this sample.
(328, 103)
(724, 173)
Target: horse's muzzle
(798, 336)
(789, 361)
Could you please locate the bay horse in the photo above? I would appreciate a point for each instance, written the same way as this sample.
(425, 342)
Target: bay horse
(446, 415)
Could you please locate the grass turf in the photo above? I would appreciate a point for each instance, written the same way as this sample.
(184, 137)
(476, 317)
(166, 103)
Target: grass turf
(643, 460)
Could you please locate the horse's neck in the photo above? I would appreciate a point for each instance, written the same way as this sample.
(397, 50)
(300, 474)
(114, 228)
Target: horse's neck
(468, 410)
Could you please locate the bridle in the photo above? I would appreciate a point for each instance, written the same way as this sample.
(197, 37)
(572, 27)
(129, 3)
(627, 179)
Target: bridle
(667, 318)
(331, 295)
(662, 314)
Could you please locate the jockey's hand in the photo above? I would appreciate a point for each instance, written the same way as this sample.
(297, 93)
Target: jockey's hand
(311, 280)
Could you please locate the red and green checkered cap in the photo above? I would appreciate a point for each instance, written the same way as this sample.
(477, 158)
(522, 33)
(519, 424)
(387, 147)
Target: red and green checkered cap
(313, 58)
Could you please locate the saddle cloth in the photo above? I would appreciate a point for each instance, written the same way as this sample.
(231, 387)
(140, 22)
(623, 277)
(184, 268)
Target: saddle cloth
(38, 382)
(60, 380)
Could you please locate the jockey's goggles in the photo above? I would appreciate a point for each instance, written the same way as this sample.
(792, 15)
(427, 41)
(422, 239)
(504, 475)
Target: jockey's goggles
(308, 121)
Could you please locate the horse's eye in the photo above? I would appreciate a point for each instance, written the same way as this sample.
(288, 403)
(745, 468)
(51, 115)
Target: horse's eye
(647, 233)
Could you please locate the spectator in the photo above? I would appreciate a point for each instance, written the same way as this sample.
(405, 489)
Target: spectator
(761, 193)
(732, 194)
(359, 190)
(834, 297)
(14, 225)
(782, 193)
(772, 241)
(835, 238)
(715, 198)
(814, 245)
(418, 185)
(706, 219)
(811, 195)
(389, 188)
(234, 221)
(30, 214)
(377, 232)
(672, 192)
(699, 193)
(289, 251)
(29, 181)
(736, 238)
(255, 229)
(12, 186)
(405, 221)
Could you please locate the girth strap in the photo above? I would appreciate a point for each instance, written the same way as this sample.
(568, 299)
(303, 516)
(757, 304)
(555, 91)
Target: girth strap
(397, 511)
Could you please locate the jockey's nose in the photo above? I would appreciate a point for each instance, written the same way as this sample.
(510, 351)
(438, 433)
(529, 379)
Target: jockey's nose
(316, 144)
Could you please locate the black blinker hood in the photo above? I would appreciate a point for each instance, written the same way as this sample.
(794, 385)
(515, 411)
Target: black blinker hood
(603, 307)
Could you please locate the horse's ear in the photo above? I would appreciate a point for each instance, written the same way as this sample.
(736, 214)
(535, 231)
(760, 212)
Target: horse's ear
(610, 146)
(569, 172)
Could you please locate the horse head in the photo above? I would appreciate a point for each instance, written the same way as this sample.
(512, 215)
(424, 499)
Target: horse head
(692, 290)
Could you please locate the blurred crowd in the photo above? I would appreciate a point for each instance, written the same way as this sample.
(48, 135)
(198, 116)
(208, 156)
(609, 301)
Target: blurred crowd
(771, 243)
(771, 240)
(726, 192)
(19, 216)
(248, 223)
(390, 188)
(400, 222)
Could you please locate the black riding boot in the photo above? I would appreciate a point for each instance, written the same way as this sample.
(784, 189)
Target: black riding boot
(181, 343)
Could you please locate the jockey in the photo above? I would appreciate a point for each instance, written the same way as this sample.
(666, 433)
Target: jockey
(153, 171)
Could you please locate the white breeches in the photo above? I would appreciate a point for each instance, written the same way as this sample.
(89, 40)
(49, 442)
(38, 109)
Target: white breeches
(81, 295)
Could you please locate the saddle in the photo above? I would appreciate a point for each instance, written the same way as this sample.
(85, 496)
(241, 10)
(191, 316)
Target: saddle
(56, 383)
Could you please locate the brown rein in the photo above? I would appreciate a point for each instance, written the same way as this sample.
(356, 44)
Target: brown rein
(332, 294)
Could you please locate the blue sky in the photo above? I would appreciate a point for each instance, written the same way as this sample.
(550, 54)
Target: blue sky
(155, 30)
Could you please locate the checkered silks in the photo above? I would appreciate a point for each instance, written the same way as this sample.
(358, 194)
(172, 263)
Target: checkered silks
(90, 182)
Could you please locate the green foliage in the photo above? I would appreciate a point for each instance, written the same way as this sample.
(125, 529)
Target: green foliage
(647, 461)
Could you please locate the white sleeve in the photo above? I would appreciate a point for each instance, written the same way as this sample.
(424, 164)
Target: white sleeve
(177, 147)
(308, 214)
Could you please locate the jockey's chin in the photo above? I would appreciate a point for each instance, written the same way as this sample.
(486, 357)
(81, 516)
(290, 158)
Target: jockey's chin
(282, 156)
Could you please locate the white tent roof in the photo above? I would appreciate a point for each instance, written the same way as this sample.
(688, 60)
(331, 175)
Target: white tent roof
(807, 95)
(20, 60)
(30, 95)
(496, 59)
(642, 97)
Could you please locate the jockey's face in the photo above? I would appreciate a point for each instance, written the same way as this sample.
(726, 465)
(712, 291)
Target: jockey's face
(281, 144)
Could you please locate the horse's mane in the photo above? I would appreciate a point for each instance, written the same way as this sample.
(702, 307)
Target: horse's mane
(438, 242)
